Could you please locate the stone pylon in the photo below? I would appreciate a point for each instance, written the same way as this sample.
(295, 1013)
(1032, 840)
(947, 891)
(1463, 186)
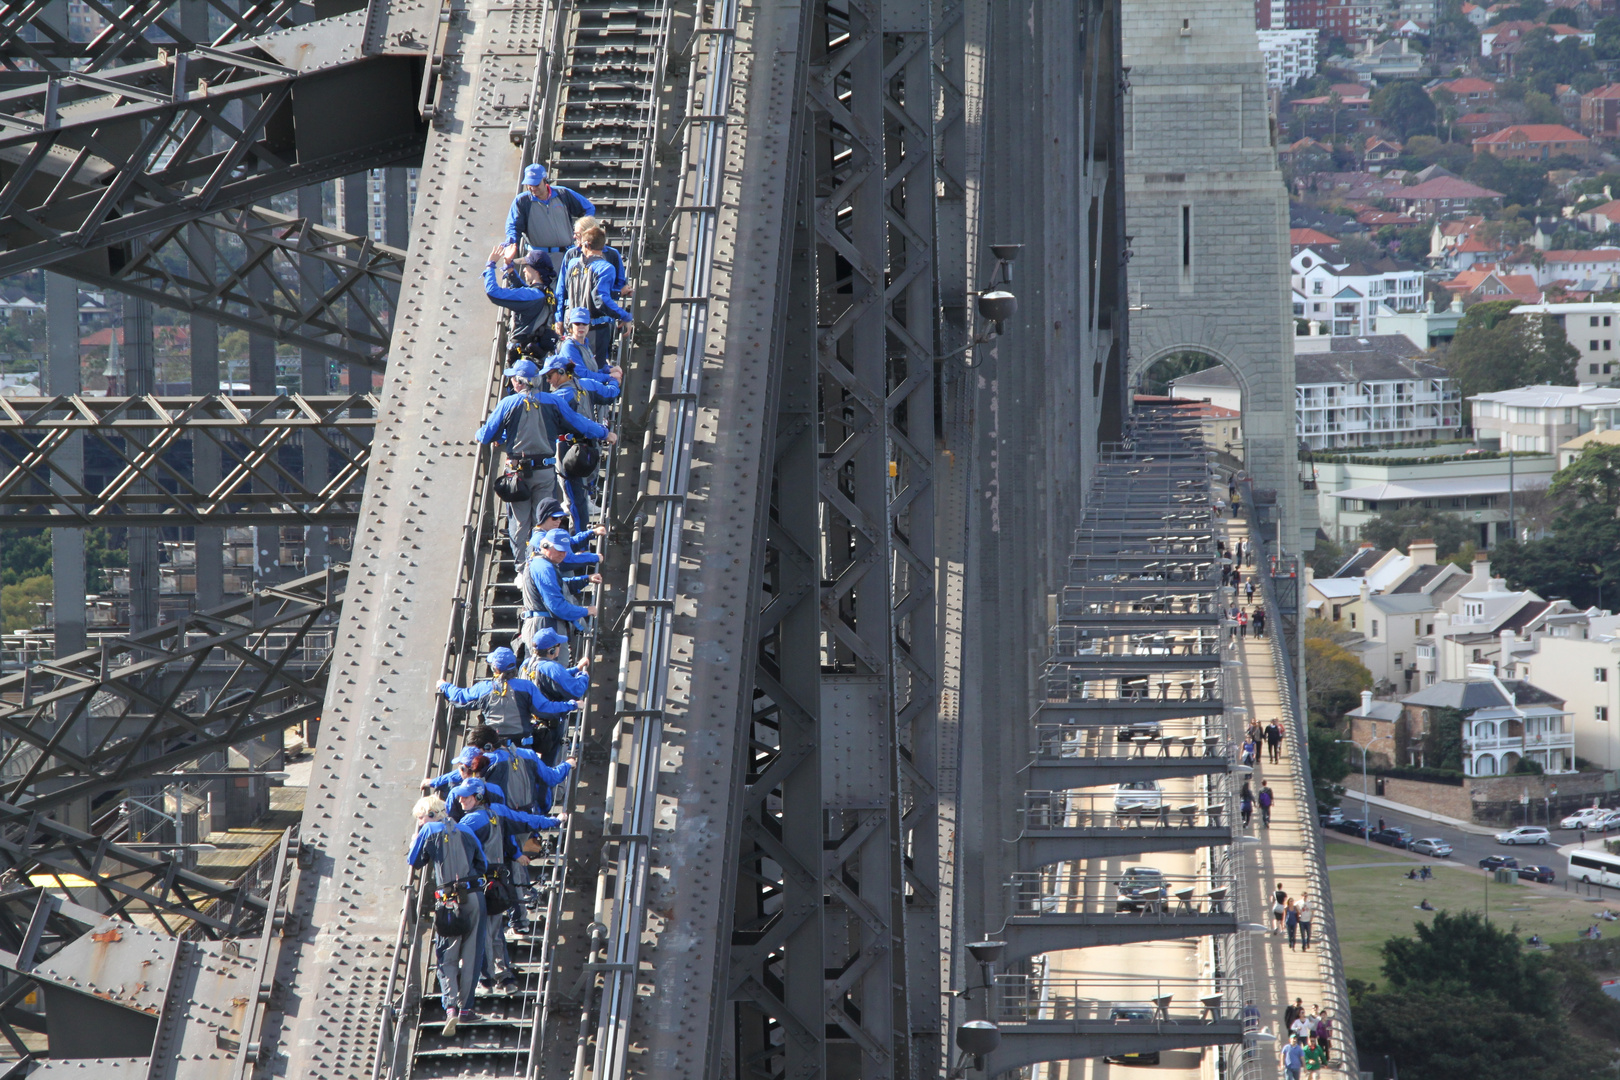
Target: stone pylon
(1207, 216)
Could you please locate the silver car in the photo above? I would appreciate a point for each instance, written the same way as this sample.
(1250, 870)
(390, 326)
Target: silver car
(1431, 845)
(1524, 834)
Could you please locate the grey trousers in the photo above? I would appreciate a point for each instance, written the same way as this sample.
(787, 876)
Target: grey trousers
(541, 485)
(458, 962)
(497, 966)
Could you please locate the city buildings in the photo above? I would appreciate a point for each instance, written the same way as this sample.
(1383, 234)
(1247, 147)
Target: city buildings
(1593, 328)
(1354, 489)
(1290, 55)
(1600, 110)
(1535, 142)
(1539, 419)
(1345, 297)
(1580, 655)
(1503, 723)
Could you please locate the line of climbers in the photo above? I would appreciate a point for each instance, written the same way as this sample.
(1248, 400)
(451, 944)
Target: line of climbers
(478, 824)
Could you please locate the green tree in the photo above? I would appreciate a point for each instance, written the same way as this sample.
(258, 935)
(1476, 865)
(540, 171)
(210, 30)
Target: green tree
(1521, 182)
(1594, 477)
(1405, 107)
(1398, 528)
(1468, 1038)
(1517, 351)
(1607, 46)
(24, 554)
(1464, 954)
(1487, 313)
(1579, 562)
(19, 603)
(1442, 743)
(1157, 379)
(1334, 678)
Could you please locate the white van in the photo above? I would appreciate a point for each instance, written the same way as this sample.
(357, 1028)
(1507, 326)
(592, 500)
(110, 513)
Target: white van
(1591, 866)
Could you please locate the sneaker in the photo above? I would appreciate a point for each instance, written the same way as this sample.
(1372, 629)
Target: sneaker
(510, 986)
(451, 1019)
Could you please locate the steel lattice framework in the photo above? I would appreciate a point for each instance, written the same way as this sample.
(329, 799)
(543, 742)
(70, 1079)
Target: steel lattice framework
(128, 33)
(95, 162)
(262, 445)
(130, 709)
(286, 277)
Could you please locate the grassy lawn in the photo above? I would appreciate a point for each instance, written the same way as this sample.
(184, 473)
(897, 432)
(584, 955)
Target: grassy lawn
(1373, 904)
(1353, 852)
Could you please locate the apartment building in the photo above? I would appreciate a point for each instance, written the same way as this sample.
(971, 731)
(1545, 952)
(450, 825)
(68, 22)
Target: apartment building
(1352, 490)
(1580, 655)
(1593, 328)
(1539, 419)
(1290, 55)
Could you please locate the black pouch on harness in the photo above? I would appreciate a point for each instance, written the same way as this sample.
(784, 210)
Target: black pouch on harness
(509, 487)
(581, 460)
(499, 895)
(453, 919)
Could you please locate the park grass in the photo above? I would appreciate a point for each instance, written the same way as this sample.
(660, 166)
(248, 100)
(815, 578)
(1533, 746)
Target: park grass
(1373, 904)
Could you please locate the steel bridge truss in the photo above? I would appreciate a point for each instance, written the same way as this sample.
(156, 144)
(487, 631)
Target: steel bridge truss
(262, 445)
(151, 702)
(31, 31)
(834, 963)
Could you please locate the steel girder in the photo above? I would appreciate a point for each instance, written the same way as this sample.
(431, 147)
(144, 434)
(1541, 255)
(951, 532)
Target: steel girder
(281, 276)
(153, 484)
(30, 33)
(130, 709)
(90, 163)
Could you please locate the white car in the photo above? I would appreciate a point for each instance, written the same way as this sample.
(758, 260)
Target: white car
(1524, 834)
(1609, 820)
(1138, 795)
(1583, 818)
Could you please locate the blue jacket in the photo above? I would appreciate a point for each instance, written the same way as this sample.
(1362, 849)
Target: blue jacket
(442, 785)
(604, 290)
(531, 307)
(517, 217)
(478, 822)
(420, 856)
(495, 428)
(611, 254)
(549, 580)
(473, 695)
(572, 681)
(581, 356)
(550, 775)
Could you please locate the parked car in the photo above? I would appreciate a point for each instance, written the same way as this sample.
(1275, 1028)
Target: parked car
(1138, 795)
(1330, 818)
(1499, 862)
(1133, 883)
(1430, 845)
(1351, 826)
(1132, 1012)
(1543, 874)
(1609, 820)
(1127, 732)
(1393, 836)
(1524, 834)
(1584, 818)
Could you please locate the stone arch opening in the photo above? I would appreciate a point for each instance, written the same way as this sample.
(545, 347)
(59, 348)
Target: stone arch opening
(1199, 373)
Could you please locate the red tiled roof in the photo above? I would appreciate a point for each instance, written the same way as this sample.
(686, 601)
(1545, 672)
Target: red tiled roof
(1310, 236)
(1532, 133)
(1469, 85)
(1606, 255)
(1473, 243)
(1481, 117)
(1603, 93)
(1610, 210)
(1447, 187)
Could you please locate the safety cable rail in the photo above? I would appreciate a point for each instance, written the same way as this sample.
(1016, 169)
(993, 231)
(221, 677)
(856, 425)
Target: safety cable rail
(667, 453)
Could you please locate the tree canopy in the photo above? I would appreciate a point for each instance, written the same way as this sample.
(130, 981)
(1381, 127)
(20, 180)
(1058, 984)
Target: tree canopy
(1398, 528)
(1334, 678)
(1404, 106)
(1521, 182)
(1516, 351)
(1594, 477)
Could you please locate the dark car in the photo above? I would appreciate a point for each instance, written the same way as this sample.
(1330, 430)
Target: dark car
(1329, 818)
(1350, 826)
(1543, 874)
(1132, 1012)
(1137, 886)
(1498, 862)
(1394, 836)
(1147, 729)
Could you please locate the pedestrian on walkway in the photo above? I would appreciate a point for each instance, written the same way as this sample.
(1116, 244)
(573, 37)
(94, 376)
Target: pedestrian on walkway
(1248, 589)
(1243, 623)
(1274, 739)
(1293, 1058)
(1231, 489)
(1259, 621)
(1324, 1036)
(1301, 1029)
(1279, 907)
(1314, 1058)
(1249, 750)
(1291, 921)
(1246, 805)
(1293, 1012)
(1306, 915)
(1265, 800)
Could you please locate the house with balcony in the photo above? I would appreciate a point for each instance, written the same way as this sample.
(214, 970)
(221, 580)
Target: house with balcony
(1352, 489)
(1542, 418)
(1579, 653)
(1346, 297)
(1504, 722)
(1370, 391)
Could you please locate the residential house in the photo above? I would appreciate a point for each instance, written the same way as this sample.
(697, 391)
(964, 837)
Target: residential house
(1352, 491)
(1443, 196)
(1354, 106)
(1306, 156)
(1476, 124)
(1539, 419)
(1216, 385)
(1290, 55)
(1600, 435)
(1445, 235)
(1535, 142)
(1493, 41)
(1486, 282)
(1580, 655)
(1600, 111)
(1384, 61)
(1476, 14)
(1504, 723)
(1377, 219)
(1600, 218)
(1388, 600)
(1593, 328)
(1372, 391)
(1472, 252)
(1595, 270)
(1425, 329)
(1300, 239)
(1469, 92)
(1377, 153)
(1346, 296)
(1301, 216)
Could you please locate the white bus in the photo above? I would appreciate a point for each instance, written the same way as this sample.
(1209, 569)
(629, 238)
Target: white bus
(1593, 867)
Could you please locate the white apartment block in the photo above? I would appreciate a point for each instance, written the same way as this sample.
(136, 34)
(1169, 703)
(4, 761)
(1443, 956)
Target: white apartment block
(1580, 655)
(1540, 419)
(1594, 329)
(1368, 391)
(1345, 297)
(1290, 55)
